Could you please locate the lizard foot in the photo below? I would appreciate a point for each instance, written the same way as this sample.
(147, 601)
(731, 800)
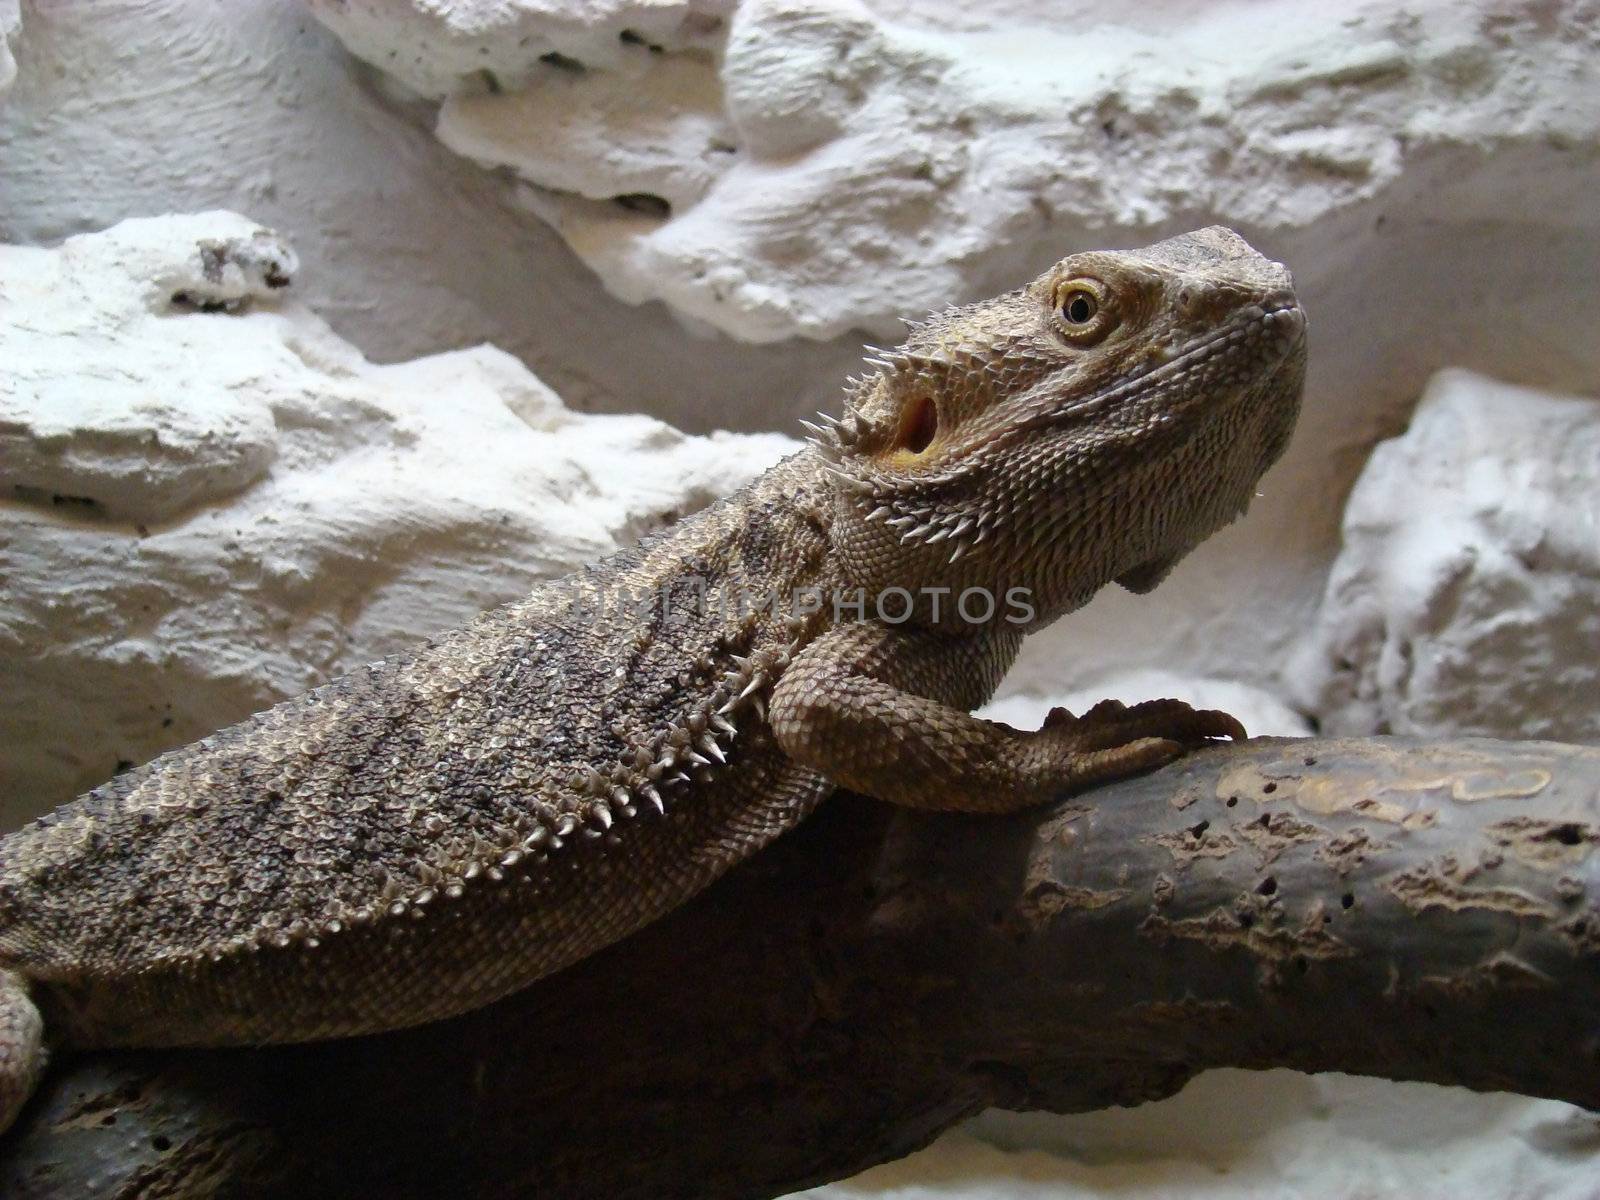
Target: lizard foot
(1112, 741)
(1112, 722)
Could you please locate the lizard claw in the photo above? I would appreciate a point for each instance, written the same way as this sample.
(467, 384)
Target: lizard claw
(1214, 723)
(1113, 740)
(1171, 719)
(1196, 726)
(1106, 710)
(1059, 718)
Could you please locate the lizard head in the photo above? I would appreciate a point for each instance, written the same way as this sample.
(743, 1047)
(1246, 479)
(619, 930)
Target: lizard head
(1095, 425)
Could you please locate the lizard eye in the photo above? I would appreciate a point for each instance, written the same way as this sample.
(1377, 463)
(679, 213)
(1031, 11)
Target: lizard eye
(1078, 307)
(1082, 312)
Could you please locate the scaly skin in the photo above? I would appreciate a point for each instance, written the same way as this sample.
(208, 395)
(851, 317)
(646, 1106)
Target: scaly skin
(430, 833)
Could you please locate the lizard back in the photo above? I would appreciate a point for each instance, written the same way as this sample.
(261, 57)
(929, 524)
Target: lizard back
(434, 831)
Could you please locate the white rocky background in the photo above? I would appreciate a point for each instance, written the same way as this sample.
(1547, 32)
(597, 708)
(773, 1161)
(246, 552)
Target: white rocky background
(326, 323)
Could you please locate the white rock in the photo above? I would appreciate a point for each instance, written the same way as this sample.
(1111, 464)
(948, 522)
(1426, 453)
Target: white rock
(211, 510)
(604, 134)
(1259, 1135)
(1261, 713)
(10, 29)
(411, 249)
(437, 50)
(1467, 596)
(865, 165)
(136, 434)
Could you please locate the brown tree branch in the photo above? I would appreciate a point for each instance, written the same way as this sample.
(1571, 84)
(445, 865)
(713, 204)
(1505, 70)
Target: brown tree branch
(1389, 907)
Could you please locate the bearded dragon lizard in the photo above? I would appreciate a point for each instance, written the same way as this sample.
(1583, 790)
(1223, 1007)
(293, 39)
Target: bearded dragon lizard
(433, 832)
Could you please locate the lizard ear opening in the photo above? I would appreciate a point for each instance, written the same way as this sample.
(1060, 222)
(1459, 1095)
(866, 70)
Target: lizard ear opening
(919, 425)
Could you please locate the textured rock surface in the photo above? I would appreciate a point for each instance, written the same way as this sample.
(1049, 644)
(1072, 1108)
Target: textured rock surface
(134, 432)
(1236, 1135)
(131, 109)
(10, 28)
(1467, 596)
(435, 49)
(212, 501)
(804, 169)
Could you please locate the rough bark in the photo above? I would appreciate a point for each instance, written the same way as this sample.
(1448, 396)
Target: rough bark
(1388, 907)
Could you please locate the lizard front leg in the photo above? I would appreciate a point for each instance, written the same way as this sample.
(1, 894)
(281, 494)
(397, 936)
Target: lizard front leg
(21, 1046)
(883, 710)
